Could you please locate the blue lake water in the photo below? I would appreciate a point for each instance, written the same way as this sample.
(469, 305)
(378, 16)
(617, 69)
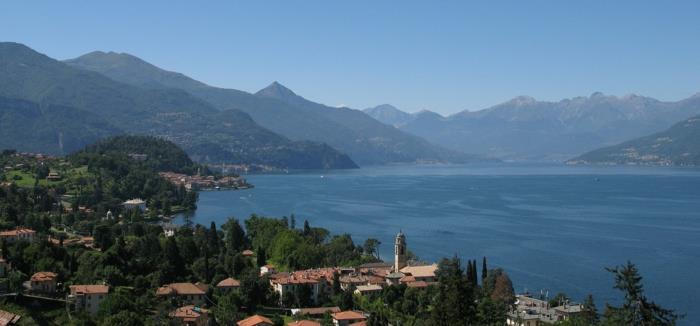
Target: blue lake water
(550, 227)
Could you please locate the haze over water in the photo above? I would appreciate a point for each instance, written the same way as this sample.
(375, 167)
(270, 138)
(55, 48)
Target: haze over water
(550, 227)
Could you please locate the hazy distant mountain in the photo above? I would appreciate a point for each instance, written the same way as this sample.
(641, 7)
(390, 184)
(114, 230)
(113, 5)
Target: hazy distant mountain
(281, 110)
(526, 129)
(678, 145)
(88, 99)
(388, 114)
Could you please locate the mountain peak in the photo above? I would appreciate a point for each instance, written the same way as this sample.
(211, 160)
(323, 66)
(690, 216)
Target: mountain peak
(522, 100)
(109, 58)
(276, 90)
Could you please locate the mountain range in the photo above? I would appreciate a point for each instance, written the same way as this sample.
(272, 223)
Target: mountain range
(280, 110)
(526, 129)
(52, 107)
(678, 145)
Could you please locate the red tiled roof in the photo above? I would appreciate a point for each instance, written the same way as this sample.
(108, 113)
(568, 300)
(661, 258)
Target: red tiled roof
(420, 271)
(255, 320)
(248, 253)
(16, 232)
(44, 276)
(292, 280)
(179, 289)
(189, 313)
(229, 283)
(8, 318)
(348, 315)
(89, 289)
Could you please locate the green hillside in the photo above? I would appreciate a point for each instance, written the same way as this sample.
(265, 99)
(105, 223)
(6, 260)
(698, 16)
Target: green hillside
(678, 145)
(50, 129)
(212, 136)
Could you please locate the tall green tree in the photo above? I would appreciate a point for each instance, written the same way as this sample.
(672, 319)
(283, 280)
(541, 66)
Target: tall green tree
(636, 308)
(234, 236)
(455, 301)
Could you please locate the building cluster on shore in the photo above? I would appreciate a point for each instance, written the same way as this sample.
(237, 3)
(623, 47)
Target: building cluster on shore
(199, 182)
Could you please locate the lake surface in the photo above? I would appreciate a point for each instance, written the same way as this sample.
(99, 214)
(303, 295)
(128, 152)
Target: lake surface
(550, 227)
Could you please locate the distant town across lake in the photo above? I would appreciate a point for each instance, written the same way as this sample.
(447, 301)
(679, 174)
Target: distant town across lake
(553, 228)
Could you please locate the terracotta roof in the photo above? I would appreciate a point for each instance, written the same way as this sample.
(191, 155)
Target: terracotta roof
(293, 280)
(179, 289)
(89, 289)
(248, 253)
(307, 276)
(348, 315)
(188, 313)
(254, 320)
(44, 276)
(420, 271)
(229, 283)
(16, 232)
(304, 323)
(361, 279)
(318, 311)
(8, 318)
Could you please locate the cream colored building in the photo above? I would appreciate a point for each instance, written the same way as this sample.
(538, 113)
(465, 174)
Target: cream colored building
(88, 297)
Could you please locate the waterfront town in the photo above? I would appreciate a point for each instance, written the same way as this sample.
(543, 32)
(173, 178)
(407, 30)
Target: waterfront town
(209, 182)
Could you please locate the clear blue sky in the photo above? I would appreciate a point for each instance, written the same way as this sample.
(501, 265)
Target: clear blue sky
(438, 55)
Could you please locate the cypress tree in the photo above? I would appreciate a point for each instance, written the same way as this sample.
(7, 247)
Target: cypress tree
(469, 271)
(261, 257)
(484, 271)
(307, 228)
(213, 238)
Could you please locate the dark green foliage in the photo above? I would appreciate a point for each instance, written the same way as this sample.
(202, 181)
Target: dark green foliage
(590, 313)
(161, 155)
(371, 247)
(115, 177)
(228, 308)
(636, 308)
(261, 257)
(456, 296)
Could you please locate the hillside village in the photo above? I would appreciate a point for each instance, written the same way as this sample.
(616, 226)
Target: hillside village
(191, 303)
